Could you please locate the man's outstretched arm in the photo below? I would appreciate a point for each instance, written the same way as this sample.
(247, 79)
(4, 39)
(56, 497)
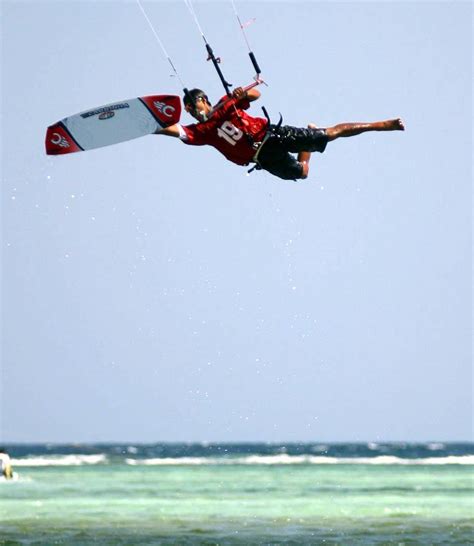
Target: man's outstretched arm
(251, 95)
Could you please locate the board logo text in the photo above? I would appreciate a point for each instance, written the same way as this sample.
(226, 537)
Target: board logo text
(105, 109)
(59, 141)
(164, 108)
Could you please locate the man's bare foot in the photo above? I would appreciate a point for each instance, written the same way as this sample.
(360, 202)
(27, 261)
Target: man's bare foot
(312, 126)
(395, 125)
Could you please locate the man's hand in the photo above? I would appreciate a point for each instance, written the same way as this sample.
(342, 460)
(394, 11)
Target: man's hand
(239, 94)
(173, 131)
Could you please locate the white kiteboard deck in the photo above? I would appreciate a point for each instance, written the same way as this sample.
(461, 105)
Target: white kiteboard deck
(112, 123)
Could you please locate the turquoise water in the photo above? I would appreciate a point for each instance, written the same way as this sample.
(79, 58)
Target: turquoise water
(255, 499)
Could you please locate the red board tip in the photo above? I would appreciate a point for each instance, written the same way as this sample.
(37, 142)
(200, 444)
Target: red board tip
(58, 141)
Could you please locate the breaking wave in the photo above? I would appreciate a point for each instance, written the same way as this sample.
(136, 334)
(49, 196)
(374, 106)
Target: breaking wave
(284, 459)
(60, 460)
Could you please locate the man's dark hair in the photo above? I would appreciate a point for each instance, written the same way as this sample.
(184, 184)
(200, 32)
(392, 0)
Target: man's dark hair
(193, 95)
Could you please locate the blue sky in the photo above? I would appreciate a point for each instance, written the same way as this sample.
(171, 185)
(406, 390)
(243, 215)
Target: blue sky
(154, 292)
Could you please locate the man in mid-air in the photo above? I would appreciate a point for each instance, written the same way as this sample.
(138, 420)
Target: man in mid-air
(245, 139)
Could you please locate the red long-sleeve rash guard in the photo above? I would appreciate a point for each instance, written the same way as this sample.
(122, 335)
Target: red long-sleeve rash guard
(230, 130)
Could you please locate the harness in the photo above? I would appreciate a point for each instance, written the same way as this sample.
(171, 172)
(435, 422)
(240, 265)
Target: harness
(259, 145)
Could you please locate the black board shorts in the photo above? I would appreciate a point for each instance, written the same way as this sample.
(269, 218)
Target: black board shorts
(275, 154)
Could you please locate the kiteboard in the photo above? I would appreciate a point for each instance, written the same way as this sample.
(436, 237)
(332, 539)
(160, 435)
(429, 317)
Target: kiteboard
(112, 123)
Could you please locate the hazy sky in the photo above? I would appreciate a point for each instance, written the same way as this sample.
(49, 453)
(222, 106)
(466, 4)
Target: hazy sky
(152, 291)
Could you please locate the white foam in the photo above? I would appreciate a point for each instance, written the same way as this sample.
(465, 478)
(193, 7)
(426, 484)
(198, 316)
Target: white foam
(279, 459)
(284, 459)
(164, 461)
(60, 460)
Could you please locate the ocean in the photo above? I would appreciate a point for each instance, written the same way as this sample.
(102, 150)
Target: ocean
(239, 494)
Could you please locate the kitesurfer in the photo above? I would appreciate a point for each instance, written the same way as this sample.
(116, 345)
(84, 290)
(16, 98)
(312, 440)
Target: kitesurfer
(244, 139)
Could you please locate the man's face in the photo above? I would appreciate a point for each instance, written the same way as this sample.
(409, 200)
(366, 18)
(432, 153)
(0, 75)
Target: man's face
(200, 110)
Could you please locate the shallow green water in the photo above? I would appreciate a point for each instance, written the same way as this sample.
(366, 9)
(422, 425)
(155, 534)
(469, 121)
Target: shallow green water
(239, 504)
